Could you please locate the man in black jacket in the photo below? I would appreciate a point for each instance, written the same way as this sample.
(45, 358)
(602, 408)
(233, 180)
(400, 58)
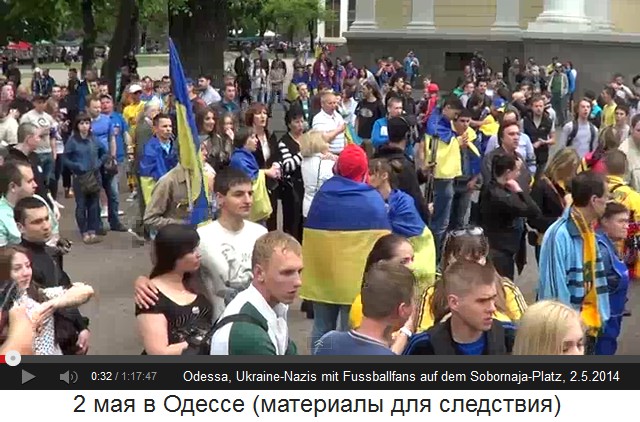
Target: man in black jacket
(471, 329)
(32, 218)
(410, 179)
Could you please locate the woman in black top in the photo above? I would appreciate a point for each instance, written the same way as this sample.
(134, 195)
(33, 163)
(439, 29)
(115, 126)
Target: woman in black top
(369, 109)
(503, 204)
(550, 192)
(291, 184)
(181, 316)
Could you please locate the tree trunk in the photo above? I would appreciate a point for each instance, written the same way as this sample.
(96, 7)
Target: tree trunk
(90, 35)
(201, 38)
(311, 26)
(119, 45)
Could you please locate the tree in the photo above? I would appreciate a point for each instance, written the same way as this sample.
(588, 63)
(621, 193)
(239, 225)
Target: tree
(199, 30)
(297, 15)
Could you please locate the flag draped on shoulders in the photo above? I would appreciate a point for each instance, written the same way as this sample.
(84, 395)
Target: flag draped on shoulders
(406, 221)
(345, 220)
(188, 140)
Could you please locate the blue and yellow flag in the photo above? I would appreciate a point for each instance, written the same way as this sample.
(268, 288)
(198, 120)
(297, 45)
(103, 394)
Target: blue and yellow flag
(351, 135)
(345, 220)
(188, 140)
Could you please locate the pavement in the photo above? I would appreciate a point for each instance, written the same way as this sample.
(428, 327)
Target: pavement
(112, 266)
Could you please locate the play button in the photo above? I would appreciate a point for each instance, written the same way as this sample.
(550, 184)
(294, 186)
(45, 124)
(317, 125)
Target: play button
(27, 376)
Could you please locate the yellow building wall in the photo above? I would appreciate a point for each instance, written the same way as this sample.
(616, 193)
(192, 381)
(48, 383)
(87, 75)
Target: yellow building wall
(466, 15)
(624, 15)
(529, 11)
(393, 14)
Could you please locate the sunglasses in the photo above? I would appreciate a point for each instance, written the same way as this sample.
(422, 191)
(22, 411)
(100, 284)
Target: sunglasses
(469, 230)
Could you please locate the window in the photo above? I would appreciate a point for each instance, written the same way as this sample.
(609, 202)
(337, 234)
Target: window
(455, 62)
(332, 25)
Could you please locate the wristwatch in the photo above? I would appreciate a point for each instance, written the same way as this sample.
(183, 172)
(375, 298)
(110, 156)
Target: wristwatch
(406, 332)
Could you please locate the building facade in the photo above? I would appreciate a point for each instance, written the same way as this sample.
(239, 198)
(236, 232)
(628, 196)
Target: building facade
(601, 36)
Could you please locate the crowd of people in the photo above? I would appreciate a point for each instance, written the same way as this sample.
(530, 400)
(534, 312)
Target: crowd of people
(405, 224)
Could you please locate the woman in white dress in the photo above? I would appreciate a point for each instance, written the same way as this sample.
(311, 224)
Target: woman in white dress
(40, 303)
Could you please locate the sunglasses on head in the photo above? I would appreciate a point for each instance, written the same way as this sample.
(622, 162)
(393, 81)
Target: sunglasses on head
(469, 230)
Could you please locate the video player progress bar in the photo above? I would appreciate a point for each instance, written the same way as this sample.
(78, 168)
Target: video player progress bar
(12, 358)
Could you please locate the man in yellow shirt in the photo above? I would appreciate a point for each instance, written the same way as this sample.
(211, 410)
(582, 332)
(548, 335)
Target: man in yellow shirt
(609, 110)
(133, 111)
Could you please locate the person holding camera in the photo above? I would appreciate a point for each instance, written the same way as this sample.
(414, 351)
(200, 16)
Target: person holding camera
(181, 317)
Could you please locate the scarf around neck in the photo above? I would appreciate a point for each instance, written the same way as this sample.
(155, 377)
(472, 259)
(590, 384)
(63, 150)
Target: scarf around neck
(590, 313)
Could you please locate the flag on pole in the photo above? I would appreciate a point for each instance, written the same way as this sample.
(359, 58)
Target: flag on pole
(188, 140)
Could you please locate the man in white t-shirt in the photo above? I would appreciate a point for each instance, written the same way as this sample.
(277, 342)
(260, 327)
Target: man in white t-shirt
(330, 122)
(46, 150)
(226, 245)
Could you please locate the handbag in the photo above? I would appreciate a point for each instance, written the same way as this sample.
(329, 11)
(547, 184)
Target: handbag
(88, 182)
(111, 166)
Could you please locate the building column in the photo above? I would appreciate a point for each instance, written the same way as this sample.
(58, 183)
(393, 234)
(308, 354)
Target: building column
(599, 11)
(365, 16)
(562, 16)
(422, 16)
(507, 16)
(321, 25)
(344, 17)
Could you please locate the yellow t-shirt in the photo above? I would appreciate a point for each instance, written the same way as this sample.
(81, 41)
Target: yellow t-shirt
(131, 114)
(609, 115)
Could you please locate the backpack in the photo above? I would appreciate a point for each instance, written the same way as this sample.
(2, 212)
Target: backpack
(574, 132)
(204, 346)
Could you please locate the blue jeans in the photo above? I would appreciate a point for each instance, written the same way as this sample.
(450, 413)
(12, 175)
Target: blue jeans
(442, 200)
(328, 317)
(110, 184)
(87, 210)
(459, 205)
(47, 165)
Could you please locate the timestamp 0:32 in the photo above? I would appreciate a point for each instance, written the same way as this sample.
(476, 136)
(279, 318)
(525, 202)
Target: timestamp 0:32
(123, 376)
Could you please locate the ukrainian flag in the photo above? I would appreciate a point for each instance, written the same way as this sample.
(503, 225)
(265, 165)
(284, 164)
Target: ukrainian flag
(406, 222)
(346, 218)
(188, 140)
(351, 135)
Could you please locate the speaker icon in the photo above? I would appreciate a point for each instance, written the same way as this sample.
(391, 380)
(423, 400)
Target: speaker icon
(69, 377)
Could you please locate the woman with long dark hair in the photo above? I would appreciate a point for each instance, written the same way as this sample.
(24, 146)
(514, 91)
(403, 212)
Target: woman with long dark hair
(292, 186)
(219, 145)
(41, 304)
(84, 156)
(181, 316)
(257, 118)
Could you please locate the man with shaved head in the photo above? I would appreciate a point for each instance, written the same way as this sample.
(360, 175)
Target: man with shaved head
(470, 328)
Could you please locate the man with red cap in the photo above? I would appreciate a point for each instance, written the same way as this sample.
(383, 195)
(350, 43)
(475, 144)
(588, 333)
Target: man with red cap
(346, 218)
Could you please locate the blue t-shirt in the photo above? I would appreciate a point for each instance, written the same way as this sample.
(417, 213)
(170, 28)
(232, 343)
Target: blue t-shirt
(349, 343)
(475, 348)
(101, 130)
(117, 119)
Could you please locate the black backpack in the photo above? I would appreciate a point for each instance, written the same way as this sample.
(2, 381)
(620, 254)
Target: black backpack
(203, 347)
(574, 132)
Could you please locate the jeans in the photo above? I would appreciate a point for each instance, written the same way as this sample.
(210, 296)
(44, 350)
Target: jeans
(87, 210)
(110, 183)
(328, 317)
(459, 205)
(259, 95)
(47, 164)
(60, 171)
(442, 200)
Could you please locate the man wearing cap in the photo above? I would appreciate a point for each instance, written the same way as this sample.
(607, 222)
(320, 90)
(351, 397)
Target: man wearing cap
(132, 112)
(46, 149)
(559, 87)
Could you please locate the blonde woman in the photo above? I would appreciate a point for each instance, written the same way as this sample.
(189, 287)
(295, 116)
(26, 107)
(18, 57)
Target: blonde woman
(550, 193)
(317, 165)
(549, 328)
